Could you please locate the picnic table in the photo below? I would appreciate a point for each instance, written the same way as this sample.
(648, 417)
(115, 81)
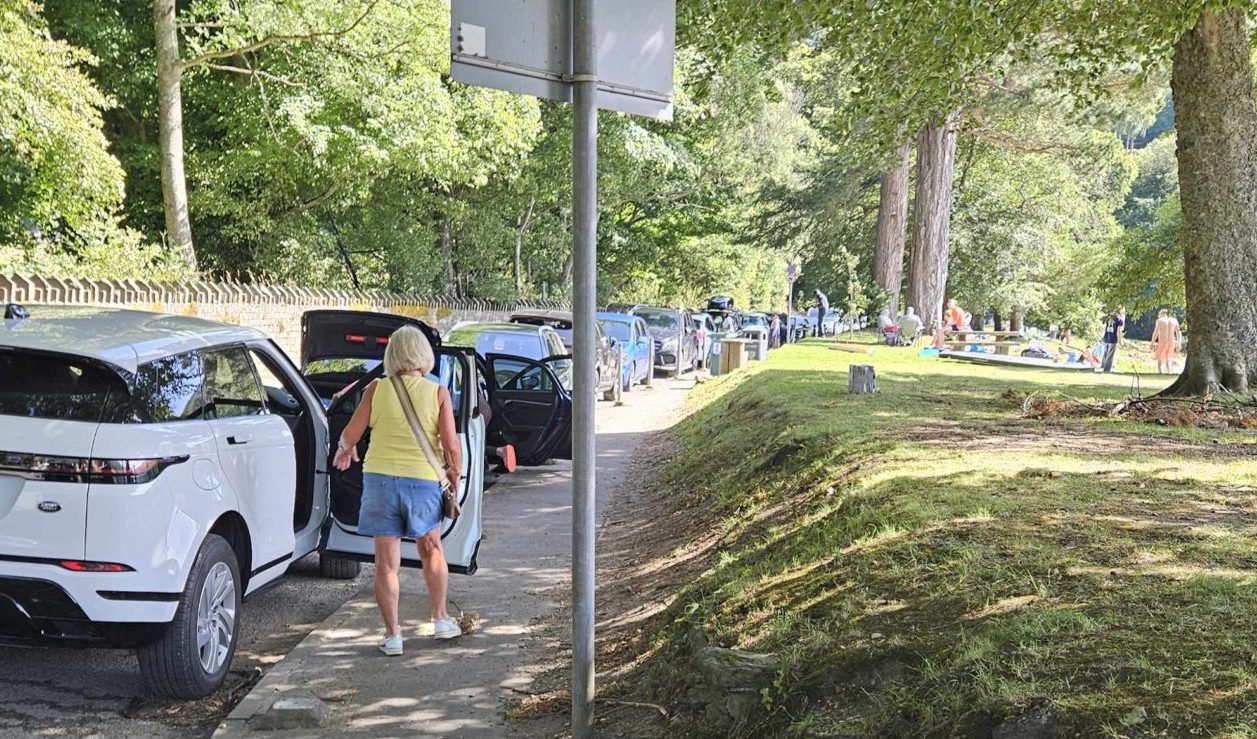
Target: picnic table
(1005, 342)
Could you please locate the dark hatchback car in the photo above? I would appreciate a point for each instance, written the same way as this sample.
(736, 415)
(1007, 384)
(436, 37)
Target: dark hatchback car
(608, 354)
(675, 336)
(529, 407)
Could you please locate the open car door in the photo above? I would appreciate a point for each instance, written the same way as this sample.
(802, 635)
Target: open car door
(532, 407)
(456, 370)
(339, 347)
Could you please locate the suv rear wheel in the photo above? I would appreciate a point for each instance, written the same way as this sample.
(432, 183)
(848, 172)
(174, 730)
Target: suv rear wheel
(193, 655)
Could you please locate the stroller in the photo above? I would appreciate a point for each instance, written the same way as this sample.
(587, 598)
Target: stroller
(890, 336)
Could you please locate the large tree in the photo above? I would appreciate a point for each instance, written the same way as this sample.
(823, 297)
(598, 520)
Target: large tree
(1217, 161)
(927, 273)
(892, 224)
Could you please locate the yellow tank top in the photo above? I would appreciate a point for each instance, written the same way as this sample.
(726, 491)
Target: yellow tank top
(393, 449)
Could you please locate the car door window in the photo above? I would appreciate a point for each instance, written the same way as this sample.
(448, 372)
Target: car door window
(171, 388)
(231, 385)
(514, 375)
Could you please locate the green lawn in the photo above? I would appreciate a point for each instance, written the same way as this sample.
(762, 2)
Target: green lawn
(924, 562)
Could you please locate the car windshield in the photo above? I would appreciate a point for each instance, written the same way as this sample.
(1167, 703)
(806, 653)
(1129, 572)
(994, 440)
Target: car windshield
(354, 366)
(519, 343)
(63, 389)
(658, 319)
(617, 330)
(751, 319)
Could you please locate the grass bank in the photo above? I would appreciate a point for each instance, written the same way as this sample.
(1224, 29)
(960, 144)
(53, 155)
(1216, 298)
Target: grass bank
(923, 561)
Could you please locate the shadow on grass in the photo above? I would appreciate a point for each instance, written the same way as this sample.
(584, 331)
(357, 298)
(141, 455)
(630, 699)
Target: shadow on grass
(923, 562)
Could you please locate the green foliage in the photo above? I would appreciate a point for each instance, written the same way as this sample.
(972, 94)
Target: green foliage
(60, 187)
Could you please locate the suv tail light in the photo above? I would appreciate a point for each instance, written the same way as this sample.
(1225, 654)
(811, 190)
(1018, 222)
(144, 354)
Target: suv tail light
(78, 565)
(48, 468)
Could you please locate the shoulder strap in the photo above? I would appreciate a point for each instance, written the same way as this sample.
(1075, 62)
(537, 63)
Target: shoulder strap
(408, 408)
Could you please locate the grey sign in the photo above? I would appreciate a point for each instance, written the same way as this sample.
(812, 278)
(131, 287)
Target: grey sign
(525, 46)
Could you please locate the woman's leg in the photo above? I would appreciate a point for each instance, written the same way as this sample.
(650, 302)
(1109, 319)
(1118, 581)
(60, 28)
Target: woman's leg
(435, 571)
(388, 560)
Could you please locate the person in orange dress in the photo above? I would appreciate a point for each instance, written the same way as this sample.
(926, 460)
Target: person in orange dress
(1167, 338)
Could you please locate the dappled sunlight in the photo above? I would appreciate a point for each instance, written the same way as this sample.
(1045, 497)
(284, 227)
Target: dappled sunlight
(931, 521)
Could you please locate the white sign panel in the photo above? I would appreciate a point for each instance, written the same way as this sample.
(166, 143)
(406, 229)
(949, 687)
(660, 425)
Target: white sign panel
(525, 46)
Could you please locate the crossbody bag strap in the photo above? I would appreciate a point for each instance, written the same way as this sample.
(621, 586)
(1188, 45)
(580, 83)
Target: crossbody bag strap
(408, 408)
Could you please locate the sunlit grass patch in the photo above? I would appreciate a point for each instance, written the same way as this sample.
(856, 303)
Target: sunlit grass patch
(981, 565)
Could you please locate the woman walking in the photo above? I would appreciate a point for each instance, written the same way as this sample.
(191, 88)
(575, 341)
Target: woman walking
(1167, 339)
(401, 493)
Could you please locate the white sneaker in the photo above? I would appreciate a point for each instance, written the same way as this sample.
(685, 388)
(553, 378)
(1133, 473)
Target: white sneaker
(446, 628)
(391, 644)
(427, 628)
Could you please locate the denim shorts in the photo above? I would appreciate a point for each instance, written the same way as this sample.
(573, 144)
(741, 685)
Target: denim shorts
(398, 506)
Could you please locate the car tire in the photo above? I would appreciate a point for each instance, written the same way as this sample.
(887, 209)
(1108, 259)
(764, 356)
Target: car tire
(338, 568)
(178, 664)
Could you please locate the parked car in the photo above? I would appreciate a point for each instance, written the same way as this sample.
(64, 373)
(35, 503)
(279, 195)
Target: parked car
(155, 470)
(833, 321)
(607, 354)
(798, 326)
(636, 347)
(673, 332)
(704, 335)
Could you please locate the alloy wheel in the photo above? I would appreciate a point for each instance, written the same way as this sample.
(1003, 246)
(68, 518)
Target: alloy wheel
(216, 618)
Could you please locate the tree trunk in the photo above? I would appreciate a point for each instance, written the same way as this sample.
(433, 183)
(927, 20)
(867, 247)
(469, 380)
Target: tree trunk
(997, 319)
(927, 270)
(174, 185)
(1015, 321)
(1217, 169)
(892, 224)
(521, 228)
(446, 242)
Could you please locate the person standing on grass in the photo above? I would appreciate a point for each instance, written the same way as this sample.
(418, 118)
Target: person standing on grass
(774, 332)
(954, 316)
(1114, 329)
(1167, 338)
(401, 494)
(822, 307)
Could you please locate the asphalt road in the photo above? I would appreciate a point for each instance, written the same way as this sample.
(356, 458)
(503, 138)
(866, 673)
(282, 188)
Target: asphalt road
(98, 692)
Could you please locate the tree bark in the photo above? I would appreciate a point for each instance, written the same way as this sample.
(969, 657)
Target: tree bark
(927, 270)
(998, 320)
(170, 131)
(1016, 322)
(520, 229)
(446, 245)
(1216, 114)
(892, 225)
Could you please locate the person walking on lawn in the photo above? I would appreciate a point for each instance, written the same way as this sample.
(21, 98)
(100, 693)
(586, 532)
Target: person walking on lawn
(822, 307)
(1167, 338)
(401, 494)
(1114, 329)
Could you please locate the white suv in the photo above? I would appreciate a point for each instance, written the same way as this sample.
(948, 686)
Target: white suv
(155, 470)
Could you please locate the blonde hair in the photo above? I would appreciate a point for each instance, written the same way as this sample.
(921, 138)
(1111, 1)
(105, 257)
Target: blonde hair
(408, 349)
(1162, 313)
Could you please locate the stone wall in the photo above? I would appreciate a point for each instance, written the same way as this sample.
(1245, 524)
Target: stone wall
(274, 309)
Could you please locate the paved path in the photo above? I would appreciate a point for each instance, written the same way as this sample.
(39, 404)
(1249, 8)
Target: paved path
(461, 688)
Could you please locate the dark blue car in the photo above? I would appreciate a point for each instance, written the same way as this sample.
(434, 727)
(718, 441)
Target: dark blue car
(635, 344)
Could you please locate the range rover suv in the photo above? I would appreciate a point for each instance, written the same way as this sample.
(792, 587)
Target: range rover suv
(155, 470)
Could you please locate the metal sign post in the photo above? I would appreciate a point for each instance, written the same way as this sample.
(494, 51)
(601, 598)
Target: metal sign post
(584, 296)
(594, 54)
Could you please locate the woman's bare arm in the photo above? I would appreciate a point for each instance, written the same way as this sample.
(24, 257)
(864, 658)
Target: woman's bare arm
(449, 436)
(347, 448)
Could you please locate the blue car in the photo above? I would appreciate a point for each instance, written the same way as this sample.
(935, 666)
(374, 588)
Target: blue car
(636, 347)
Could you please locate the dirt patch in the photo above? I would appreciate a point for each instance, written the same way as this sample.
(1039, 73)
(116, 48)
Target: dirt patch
(1206, 413)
